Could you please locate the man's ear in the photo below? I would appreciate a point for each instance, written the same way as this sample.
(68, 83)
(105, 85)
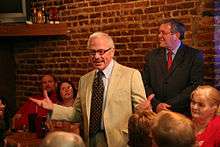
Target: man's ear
(113, 52)
(177, 34)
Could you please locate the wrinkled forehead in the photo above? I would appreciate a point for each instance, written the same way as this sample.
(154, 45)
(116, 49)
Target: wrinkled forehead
(98, 41)
(199, 98)
(165, 26)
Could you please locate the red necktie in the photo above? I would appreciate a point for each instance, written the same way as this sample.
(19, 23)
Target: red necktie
(169, 59)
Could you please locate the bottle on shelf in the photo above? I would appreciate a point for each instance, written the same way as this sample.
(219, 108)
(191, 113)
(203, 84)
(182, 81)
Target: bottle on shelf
(40, 16)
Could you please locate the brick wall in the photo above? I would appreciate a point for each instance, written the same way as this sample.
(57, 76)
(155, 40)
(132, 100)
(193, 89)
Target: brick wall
(133, 24)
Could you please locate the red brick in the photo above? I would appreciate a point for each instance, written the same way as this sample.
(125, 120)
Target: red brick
(133, 25)
(186, 5)
(151, 10)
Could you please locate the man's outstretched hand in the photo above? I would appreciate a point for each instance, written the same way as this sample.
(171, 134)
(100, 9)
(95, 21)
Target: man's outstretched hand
(146, 105)
(46, 103)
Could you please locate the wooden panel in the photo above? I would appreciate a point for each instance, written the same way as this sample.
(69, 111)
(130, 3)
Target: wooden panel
(16, 30)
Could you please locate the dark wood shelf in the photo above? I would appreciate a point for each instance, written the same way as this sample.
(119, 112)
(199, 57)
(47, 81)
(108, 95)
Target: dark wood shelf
(16, 30)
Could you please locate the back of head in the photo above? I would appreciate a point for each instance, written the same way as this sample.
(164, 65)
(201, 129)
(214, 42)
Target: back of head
(139, 125)
(172, 129)
(62, 139)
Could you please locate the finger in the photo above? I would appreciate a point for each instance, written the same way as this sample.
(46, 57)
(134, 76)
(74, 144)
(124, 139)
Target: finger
(35, 101)
(150, 97)
(45, 94)
(167, 105)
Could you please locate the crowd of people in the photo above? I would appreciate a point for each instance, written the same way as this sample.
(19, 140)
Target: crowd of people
(165, 105)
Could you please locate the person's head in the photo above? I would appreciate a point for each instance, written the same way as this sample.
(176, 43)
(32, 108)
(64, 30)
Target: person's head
(62, 139)
(205, 101)
(67, 91)
(170, 129)
(170, 33)
(101, 50)
(139, 125)
(48, 82)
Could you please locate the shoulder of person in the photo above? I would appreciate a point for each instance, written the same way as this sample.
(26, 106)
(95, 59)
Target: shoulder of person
(125, 68)
(191, 49)
(88, 74)
(215, 123)
(157, 51)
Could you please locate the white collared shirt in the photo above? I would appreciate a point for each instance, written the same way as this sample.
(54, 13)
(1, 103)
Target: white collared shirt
(174, 51)
(107, 74)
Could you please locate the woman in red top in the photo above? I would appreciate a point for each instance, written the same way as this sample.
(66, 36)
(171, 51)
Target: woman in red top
(204, 105)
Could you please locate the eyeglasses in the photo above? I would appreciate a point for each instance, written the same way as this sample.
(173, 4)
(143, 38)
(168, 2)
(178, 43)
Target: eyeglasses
(99, 51)
(164, 33)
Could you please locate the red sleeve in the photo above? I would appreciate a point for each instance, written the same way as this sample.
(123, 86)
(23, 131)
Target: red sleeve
(31, 107)
(24, 110)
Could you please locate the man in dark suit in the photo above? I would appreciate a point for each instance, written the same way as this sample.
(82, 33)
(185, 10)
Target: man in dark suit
(172, 71)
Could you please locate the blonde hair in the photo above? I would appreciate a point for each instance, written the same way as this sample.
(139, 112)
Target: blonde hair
(173, 129)
(139, 125)
(208, 92)
(109, 39)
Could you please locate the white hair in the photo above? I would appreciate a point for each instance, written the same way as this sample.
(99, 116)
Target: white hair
(62, 139)
(101, 35)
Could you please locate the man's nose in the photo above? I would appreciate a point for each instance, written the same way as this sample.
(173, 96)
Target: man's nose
(195, 106)
(97, 55)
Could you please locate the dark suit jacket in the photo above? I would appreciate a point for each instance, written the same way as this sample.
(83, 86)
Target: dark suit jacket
(175, 86)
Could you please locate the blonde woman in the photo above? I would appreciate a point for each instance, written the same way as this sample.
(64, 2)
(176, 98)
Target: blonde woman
(204, 105)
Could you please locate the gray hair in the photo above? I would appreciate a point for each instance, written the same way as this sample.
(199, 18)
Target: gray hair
(173, 129)
(101, 35)
(176, 26)
(62, 139)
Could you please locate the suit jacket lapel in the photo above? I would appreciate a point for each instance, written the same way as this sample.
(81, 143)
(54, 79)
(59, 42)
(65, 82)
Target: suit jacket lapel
(162, 61)
(89, 84)
(113, 82)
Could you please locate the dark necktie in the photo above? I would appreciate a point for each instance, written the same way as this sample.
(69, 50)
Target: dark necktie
(169, 59)
(96, 104)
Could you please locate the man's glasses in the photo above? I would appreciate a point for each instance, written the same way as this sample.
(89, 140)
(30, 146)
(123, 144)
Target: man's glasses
(165, 33)
(99, 52)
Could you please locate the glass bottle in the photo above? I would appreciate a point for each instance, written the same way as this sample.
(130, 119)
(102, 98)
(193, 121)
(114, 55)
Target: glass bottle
(44, 128)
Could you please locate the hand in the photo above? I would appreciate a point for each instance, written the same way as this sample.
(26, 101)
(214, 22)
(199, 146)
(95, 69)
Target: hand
(162, 106)
(146, 105)
(2, 109)
(46, 103)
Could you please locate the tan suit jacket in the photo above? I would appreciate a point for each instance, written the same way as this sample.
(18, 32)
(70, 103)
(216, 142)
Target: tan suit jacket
(125, 91)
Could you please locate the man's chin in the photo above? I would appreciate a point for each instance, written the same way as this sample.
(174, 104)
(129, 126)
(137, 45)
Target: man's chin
(162, 44)
(98, 66)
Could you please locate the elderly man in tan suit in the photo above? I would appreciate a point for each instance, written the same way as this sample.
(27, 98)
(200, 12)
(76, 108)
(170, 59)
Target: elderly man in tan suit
(123, 91)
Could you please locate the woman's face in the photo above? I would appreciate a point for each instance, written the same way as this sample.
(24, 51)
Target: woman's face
(201, 108)
(66, 91)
